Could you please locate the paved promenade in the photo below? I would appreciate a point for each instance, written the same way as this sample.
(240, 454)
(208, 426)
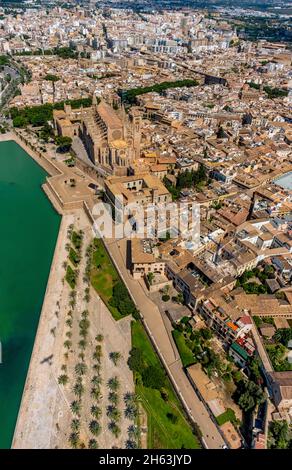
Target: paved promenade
(41, 391)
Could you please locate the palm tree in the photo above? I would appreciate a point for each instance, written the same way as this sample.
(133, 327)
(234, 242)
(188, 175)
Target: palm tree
(72, 294)
(78, 379)
(113, 384)
(96, 356)
(96, 368)
(96, 380)
(133, 431)
(131, 412)
(114, 428)
(95, 411)
(81, 356)
(70, 230)
(85, 313)
(82, 344)
(131, 444)
(67, 344)
(68, 334)
(63, 379)
(129, 398)
(113, 413)
(86, 279)
(75, 425)
(83, 333)
(74, 439)
(80, 368)
(115, 356)
(64, 367)
(113, 398)
(94, 427)
(89, 249)
(72, 303)
(99, 338)
(97, 353)
(78, 389)
(95, 393)
(69, 322)
(75, 407)
(92, 444)
(84, 324)
(87, 294)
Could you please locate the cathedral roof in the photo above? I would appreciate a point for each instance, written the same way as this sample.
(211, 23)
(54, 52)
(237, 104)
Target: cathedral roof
(108, 115)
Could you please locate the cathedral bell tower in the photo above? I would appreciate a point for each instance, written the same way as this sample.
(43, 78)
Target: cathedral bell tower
(136, 121)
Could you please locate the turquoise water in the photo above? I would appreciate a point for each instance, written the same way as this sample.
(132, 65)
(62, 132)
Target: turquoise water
(29, 229)
(285, 181)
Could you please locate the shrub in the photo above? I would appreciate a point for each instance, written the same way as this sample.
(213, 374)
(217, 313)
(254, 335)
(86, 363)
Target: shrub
(74, 257)
(71, 277)
(164, 394)
(172, 417)
(136, 361)
(77, 240)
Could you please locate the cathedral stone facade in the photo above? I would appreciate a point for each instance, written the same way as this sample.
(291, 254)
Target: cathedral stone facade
(110, 136)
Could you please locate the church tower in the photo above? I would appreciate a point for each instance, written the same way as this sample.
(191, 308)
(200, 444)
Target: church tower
(136, 120)
(94, 100)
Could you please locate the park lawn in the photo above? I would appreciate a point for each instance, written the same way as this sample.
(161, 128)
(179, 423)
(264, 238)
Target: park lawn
(162, 433)
(103, 276)
(228, 415)
(186, 355)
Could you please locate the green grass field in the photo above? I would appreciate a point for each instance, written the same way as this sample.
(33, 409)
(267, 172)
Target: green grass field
(103, 276)
(162, 433)
(228, 415)
(185, 353)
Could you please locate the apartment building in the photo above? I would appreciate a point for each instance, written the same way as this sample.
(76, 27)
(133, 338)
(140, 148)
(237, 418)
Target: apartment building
(145, 258)
(224, 318)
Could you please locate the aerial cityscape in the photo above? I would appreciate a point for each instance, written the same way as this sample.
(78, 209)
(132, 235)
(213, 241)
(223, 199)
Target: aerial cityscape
(146, 202)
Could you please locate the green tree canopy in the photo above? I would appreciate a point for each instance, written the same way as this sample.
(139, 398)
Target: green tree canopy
(153, 377)
(51, 78)
(136, 361)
